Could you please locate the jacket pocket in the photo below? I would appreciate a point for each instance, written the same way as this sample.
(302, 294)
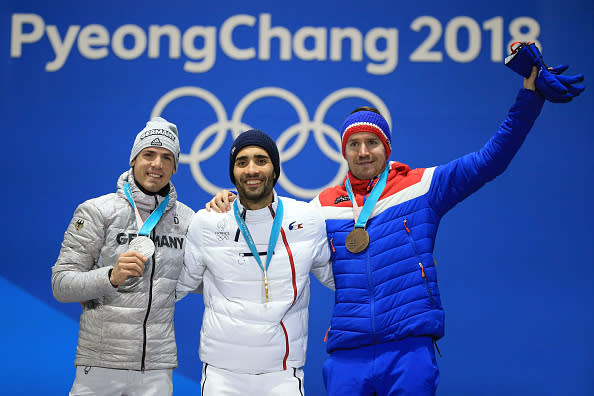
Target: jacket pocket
(332, 248)
(418, 256)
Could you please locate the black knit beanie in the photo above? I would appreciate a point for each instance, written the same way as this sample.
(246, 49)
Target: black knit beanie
(254, 137)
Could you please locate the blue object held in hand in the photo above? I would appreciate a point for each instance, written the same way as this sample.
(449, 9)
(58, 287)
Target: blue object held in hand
(549, 82)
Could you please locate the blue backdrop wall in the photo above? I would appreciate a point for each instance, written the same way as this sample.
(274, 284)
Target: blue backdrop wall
(80, 79)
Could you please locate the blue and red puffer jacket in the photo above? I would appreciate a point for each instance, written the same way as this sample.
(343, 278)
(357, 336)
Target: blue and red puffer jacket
(389, 291)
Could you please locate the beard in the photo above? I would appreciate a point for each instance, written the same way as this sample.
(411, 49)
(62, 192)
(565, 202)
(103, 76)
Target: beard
(256, 198)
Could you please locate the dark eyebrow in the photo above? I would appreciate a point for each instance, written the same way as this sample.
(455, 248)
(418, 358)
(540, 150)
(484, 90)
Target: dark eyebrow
(153, 151)
(257, 156)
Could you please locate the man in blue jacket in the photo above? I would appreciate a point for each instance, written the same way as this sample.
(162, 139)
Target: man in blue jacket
(382, 223)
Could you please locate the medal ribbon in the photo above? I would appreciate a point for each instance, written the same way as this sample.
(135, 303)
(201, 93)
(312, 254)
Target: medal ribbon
(274, 232)
(365, 212)
(145, 228)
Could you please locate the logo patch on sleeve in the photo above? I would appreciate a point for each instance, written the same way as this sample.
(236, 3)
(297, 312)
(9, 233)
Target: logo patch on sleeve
(80, 223)
(342, 198)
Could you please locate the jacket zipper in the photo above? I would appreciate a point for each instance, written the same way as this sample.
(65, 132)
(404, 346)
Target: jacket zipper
(332, 259)
(423, 275)
(370, 186)
(150, 301)
(293, 281)
(371, 295)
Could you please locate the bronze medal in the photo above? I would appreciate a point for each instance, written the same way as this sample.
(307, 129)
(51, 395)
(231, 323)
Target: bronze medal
(357, 240)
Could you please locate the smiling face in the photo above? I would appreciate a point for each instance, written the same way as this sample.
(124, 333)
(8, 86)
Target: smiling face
(365, 154)
(153, 168)
(254, 177)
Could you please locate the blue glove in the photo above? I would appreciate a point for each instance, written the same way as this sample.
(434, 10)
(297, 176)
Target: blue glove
(549, 82)
(557, 88)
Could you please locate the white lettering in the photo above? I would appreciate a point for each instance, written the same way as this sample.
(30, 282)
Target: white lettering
(474, 39)
(174, 36)
(206, 54)
(524, 29)
(93, 41)
(18, 37)
(138, 47)
(226, 37)
(356, 40)
(61, 49)
(319, 40)
(379, 46)
(267, 33)
(495, 25)
(424, 52)
(389, 54)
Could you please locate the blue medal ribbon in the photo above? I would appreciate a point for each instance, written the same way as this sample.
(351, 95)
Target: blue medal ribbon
(276, 227)
(153, 219)
(376, 192)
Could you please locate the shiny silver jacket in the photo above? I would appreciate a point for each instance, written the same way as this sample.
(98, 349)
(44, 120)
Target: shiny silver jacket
(131, 326)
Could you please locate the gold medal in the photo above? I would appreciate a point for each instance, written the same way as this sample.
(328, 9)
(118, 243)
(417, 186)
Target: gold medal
(357, 240)
(266, 287)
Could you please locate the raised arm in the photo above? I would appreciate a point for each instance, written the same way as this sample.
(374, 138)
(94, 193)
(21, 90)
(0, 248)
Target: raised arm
(463, 176)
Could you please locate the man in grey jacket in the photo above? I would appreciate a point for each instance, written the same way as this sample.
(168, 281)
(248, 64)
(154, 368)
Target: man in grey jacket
(121, 257)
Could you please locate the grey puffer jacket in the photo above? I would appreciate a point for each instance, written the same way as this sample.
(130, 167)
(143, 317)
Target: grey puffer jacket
(131, 326)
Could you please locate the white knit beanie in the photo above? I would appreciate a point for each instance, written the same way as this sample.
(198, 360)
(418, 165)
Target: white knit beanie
(158, 132)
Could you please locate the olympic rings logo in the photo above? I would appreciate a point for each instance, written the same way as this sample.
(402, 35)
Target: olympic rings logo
(320, 129)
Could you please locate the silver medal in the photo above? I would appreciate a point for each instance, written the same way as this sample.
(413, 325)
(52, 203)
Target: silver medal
(143, 245)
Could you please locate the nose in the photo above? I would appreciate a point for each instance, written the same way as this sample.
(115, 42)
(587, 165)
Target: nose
(252, 168)
(157, 161)
(363, 150)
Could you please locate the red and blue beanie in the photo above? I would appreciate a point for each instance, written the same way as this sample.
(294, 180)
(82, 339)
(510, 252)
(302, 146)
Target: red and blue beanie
(367, 121)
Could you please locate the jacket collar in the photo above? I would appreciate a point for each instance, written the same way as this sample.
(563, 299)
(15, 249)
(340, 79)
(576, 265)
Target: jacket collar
(361, 186)
(364, 187)
(143, 202)
(258, 215)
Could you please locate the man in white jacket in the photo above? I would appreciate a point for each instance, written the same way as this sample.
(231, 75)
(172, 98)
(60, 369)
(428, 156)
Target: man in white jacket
(254, 263)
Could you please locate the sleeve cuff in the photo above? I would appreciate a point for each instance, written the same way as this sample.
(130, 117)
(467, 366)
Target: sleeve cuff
(109, 288)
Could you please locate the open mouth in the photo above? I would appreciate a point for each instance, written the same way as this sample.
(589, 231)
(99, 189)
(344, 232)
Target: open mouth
(253, 182)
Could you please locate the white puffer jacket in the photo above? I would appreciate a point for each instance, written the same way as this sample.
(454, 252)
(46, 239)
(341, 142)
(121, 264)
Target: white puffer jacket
(241, 332)
(129, 327)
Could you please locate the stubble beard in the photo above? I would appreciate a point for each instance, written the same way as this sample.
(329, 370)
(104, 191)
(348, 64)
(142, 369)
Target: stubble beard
(252, 199)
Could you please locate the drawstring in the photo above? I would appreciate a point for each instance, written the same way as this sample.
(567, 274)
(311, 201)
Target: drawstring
(437, 348)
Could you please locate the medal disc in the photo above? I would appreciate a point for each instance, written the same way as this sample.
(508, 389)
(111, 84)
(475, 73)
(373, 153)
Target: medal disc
(357, 240)
(143, 245)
